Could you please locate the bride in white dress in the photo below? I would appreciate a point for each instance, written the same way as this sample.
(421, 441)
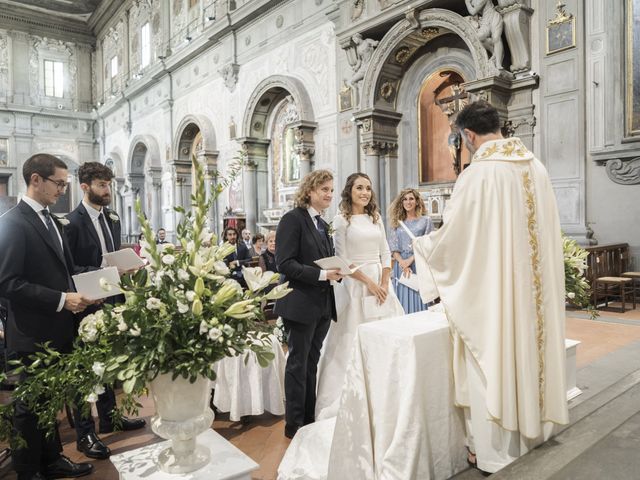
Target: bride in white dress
(359, 237)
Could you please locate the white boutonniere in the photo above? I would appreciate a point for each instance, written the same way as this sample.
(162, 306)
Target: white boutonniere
(330, 230)
(61, 220)
(113, 217)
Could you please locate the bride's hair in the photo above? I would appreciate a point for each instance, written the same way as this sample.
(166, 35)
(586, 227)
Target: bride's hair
(346, 204)
(397, 211)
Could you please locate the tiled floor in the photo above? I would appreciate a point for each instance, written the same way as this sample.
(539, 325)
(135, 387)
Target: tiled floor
(263, 440)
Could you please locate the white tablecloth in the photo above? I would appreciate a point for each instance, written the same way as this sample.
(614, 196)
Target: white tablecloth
(247, 388)
(396, 419)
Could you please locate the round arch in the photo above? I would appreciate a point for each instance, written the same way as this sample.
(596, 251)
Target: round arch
(138, 158)
(266, 95)
(383, 77)
(206, 131)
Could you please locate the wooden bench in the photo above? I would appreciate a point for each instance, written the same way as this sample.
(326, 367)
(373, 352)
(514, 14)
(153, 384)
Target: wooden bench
(606, 265)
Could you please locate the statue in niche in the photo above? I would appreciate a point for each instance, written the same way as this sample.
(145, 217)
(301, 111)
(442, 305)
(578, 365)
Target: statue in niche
(489, 23)
(364, 51)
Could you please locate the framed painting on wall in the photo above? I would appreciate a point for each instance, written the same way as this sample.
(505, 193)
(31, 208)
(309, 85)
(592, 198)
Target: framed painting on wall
(632, 69)
(561, 31)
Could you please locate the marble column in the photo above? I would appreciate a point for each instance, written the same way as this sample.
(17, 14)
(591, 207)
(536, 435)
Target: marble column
(154, 184)
(137, 181)
(209, 160)
(255, 179)
(182, 187)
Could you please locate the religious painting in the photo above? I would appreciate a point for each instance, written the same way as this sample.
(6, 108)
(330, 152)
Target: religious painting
(632, 117)
(441, 156)
(561, 31)
(345, 98)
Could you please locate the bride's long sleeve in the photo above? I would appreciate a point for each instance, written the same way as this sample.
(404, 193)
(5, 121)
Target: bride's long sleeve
(385, 253)
(340, 237)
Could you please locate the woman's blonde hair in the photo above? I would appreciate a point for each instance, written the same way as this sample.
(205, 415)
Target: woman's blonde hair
(346, 203)
(397, 211)
(270, 233)
(308, 184)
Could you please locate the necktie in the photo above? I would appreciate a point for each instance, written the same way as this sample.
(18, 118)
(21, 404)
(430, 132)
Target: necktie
(105, 232)
(52, 229)
(320, 226)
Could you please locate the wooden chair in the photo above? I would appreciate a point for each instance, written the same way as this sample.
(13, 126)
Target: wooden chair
(606, 266)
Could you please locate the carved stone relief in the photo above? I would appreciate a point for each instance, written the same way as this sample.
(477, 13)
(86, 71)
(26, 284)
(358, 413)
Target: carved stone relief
(359, 55)
(357, 7)
(489, 25)
(624, 172)
(229, 74)
(4, 64)
(315, 61)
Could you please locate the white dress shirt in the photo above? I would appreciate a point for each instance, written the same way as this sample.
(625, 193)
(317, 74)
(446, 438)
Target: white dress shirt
(313, 212)
(38, 209)
(95, 219)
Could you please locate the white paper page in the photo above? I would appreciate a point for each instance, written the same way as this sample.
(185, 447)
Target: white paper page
(88, 284)
(337, 263)
(411, 282)
(125, 259)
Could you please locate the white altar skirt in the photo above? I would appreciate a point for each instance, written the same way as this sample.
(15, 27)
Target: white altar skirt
(248, 389)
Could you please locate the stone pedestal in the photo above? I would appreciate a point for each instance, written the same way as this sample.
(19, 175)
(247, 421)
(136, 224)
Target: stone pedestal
(571, 347)
(227, 462)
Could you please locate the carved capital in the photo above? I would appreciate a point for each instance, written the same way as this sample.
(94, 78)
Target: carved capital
(624, 172)
(379, 148)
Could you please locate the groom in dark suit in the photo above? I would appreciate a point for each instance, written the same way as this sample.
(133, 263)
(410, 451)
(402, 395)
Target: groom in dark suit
(303, 237)
(35, 278)
(94, 230)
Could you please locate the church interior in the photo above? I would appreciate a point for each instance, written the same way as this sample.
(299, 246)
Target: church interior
(146, 87)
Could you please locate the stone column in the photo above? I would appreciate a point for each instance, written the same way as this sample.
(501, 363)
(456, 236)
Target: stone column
(182, 187)
(378, 131)
(154, 183)
(255, 178)
(136, 180)
(305, 146)
(209, 160)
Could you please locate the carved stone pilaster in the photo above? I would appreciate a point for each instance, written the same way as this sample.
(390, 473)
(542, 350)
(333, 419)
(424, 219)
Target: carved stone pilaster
(304, 144)
(254, 173)
(624, 172)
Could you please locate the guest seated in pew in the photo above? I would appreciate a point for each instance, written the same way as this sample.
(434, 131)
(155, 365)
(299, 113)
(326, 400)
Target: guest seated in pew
(239, 257)
(256, 245)
(267, 260)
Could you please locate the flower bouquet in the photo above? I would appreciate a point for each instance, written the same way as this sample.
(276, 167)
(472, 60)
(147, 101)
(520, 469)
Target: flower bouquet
(577, 288)
(181, 315)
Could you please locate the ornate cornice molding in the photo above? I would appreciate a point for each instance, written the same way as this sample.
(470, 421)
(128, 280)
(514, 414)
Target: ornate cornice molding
(13, 17)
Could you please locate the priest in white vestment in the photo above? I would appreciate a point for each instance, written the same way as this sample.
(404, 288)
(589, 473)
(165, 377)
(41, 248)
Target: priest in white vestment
(497, 265)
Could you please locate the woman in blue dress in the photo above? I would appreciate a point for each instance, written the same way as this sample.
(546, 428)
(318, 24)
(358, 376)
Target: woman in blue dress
(408, 207)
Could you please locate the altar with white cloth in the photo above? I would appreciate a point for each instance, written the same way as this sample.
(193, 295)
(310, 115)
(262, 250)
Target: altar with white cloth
(396, 419)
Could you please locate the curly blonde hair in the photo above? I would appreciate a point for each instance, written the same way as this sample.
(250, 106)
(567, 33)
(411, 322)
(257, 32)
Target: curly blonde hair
(397, 211)
(309, 183)
(346, 204)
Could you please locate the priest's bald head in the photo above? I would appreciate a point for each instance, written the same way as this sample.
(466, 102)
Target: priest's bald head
(477, 123)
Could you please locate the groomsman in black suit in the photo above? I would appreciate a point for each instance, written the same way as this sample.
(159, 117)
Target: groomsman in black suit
(303, 237)
(94, 230)
(35, 278)
(237, 259)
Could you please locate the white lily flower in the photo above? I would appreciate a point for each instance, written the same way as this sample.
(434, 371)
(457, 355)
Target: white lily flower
(92, 398)
(571, 295)
(278, 291)
(255, 279)
(242, 309)
(228, 330)
(98, 368)
(190, 295)
(168, 259)
(135, 330)
(221, 267)
(98, 389)
(122, 326)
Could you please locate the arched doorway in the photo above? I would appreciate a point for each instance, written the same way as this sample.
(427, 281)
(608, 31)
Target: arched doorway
(279, 146)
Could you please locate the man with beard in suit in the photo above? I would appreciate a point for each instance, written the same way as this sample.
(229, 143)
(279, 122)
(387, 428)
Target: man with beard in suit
(94, 230)
(303, 237)
(35, 278)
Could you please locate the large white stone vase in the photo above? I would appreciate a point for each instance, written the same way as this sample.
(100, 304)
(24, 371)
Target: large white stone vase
(182, 413)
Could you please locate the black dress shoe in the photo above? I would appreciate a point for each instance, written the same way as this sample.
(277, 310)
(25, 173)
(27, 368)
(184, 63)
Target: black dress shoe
(65, 468)
(290, 430)
(93, 447)
(126, 425)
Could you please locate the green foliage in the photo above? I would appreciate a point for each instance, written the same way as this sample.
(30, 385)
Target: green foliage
(182, 314)
(577, 288)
